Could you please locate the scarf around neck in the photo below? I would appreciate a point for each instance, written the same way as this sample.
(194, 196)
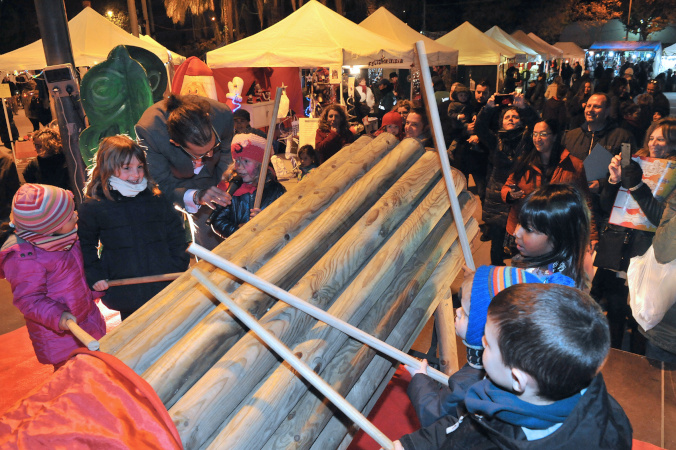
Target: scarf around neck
(50, 242)
(126, 188)
(487, 399)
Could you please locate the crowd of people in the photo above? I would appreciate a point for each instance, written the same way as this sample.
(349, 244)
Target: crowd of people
(541, 346)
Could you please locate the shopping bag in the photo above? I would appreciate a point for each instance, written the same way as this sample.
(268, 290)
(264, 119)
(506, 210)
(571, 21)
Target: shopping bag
(652, 288)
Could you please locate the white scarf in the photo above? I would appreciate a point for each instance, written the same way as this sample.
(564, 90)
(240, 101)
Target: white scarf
(126, 188)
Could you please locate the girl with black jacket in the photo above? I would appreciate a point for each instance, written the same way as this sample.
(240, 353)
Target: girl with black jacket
(139, 231)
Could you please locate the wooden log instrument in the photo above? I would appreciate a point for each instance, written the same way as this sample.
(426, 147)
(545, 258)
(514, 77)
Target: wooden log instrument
(370, 238)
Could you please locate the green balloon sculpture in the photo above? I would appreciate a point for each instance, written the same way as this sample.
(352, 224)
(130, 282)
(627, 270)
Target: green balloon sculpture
(115, 93)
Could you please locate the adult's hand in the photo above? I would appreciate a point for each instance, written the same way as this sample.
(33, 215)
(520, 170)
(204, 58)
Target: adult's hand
(100, 285)
(213, 197)
(632, 175)
(473, 139)
(519, 101)
(615, 169)
(491, 101)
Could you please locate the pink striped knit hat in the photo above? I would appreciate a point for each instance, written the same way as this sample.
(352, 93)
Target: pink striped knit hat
(41, 209)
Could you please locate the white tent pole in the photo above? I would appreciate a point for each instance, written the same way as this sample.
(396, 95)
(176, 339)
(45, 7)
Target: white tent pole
(443, 155)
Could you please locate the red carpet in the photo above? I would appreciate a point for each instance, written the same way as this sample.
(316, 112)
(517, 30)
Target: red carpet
(20, 372)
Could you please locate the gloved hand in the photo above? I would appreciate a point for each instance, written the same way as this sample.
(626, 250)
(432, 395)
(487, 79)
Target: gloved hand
(632, 175)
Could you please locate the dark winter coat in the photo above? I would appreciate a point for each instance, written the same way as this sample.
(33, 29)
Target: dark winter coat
(505, 147)
(50, 170)
(227, 220)
(140, 236)
(580, 141)
(432, 401)
(597, 421)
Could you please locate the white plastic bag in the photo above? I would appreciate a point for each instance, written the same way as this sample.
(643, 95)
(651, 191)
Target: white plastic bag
(652, 288)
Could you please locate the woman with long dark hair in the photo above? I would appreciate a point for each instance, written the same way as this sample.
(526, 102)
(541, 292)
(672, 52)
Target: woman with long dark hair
(505, 145)
(547, 162)
(333, 132)
(552, 234)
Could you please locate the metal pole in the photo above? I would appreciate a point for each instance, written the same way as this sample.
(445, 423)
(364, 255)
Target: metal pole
(626, 37)
(53, 23)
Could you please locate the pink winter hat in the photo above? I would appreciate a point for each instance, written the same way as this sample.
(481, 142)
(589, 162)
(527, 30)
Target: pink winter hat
(41, 208)
(249, 146)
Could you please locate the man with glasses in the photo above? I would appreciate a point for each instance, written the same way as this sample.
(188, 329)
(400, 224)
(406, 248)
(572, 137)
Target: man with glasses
(187, 142)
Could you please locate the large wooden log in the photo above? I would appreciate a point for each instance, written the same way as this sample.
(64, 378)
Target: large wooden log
(246, 363)
(176, 371)
(320, 345)
(289, 357)
(162, 306)
(144, 349)
(372, 380)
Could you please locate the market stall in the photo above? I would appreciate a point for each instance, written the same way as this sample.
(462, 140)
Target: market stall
(615, 53)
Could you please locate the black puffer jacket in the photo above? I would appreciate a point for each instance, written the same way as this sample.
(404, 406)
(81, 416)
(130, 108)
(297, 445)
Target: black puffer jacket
(505, 147)
(50, 170)
(140, 235)
(228, 220)
(580, 141)
(597, 421)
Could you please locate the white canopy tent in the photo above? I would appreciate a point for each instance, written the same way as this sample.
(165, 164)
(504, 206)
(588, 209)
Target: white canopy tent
(475, 48)
(571, 51)
(313, 36)
(545, 52)
(501, 36)
(387, 24)
(92, 37)
(176, 59)
(557, 52)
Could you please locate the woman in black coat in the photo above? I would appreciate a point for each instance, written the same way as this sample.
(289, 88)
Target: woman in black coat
(506, 145)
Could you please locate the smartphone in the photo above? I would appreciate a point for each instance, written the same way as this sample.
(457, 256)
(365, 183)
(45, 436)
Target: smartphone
(626, 154)
(504, 99)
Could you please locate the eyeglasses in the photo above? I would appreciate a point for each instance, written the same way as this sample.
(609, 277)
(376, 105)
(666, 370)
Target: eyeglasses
(544, 134)
(208, 154)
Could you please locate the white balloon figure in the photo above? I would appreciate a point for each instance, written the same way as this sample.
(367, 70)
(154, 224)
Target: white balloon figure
(234, 95)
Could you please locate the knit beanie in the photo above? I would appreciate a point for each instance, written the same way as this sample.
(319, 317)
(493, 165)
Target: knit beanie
(488, 281)
(249, 146)
(40, 208)
(392, 118)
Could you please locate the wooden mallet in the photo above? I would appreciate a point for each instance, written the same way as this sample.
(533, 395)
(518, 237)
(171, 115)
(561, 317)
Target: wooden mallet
(82, 336)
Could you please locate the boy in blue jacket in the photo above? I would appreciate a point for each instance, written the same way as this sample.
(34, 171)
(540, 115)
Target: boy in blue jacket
(544, 346)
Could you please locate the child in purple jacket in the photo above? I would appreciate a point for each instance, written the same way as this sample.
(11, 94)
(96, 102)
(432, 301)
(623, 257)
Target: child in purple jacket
(42, 261)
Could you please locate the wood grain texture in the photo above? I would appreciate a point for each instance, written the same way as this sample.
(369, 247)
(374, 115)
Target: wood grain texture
(323, 342)
(192, 305)
(177, 370)
(367, 389)
(319, 286)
